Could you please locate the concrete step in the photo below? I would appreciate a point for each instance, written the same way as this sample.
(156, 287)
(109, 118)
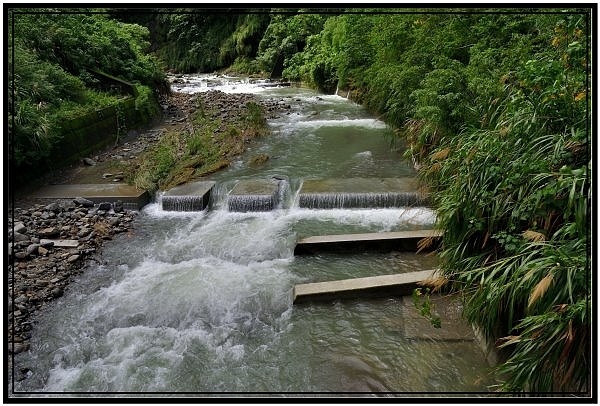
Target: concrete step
(254, 195)
(193, 196)
(382, 242)
(373, 286)
(360, 193)
(58, 243)
(132, 197)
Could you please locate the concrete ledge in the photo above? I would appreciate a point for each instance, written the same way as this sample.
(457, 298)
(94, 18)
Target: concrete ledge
(372, 286)
(382, 242)
(131, 196)
(360, 193)
(254, 195)
(193, 196)
(60, 243)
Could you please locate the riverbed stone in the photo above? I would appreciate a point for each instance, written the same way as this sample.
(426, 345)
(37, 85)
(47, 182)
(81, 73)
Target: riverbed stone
(20, 237)
(32, 249)
(19, 227)
(105, 206)
(48, 232)
(83, 202)
(118, 206)
(73, 258)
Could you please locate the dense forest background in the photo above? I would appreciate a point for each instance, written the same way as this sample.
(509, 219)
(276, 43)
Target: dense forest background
(494, 106)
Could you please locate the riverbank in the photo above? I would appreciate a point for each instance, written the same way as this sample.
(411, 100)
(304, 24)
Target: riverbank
(50, 242)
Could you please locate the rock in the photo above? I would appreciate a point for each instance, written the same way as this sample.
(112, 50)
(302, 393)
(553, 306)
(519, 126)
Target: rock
(56, 292)
(118, 206)
(48, 232)
(259, 159)
(53, 207)
(107, 175)
(88, 161)
(83, 202)
(60, 243)
(43, 251)
(114, 221)
(19, 347)
(73, 258)
(32, 249)
(83, 232)
(19, 227)
(106, 206)
(46, 243)
(20, 237)
(20, 299)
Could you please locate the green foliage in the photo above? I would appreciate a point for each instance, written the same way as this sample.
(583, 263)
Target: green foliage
(182, 156)
(422, 302)
(512, 197)
(284, 37)
(53, 57)
(494, 109)
(145, 102)
(197, 41)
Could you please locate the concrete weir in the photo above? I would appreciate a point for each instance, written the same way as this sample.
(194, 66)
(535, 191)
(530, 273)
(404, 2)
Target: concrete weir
(360, 193)
(254, 195)
(130, 196)
(373, 286)
(381, 242)
(193, 196)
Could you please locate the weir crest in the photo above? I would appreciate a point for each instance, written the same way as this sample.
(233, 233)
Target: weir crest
(253, 195)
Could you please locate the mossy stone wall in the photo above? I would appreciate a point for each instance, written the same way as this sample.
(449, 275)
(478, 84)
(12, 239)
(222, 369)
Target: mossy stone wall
(93, 131)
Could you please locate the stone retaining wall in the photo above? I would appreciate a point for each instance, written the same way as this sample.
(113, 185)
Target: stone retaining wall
(93, 131)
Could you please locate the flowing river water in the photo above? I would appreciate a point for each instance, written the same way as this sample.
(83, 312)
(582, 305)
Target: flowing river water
(201, 302)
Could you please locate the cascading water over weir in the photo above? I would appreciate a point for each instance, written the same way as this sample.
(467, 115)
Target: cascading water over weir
(360, 193)
(200, 297)
(189, 197)
(267, 194)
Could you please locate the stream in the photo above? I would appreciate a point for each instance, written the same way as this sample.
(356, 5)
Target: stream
(201, 302)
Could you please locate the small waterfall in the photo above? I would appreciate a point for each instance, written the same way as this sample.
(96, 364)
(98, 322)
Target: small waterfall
(182, 203)
(256, 195)
(244, 203)
(188, 197)
(360, 200)
(219, 195)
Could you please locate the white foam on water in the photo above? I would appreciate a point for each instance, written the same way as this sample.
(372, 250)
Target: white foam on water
(357, 122)
(155, 210)
(385, 219)
(133, 334)
(241, 237)
(364, 155)
(227, 84)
